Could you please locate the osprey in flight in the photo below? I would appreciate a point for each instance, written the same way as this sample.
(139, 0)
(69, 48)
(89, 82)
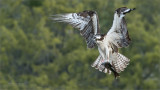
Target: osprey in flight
(109, 60)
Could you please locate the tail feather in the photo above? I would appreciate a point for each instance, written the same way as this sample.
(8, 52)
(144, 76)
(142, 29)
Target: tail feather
(101, 68)
(96, 62)
(98, 65)
(121, 62)
(118, 63)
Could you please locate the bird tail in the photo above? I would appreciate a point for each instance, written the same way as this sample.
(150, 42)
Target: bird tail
(97, 65)
(119, 62)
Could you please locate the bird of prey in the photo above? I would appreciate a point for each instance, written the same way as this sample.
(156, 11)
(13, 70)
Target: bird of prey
(109, 60)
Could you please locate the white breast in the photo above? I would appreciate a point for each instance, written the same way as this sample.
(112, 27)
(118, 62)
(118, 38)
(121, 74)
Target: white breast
(103, 45)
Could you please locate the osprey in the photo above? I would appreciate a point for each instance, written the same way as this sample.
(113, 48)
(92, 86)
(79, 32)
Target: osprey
(109, 60)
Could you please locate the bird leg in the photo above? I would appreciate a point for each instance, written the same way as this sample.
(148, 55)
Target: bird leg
(106, 56)
(109, 66)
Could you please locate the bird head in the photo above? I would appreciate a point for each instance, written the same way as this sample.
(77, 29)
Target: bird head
(123, 10)
(98, 37)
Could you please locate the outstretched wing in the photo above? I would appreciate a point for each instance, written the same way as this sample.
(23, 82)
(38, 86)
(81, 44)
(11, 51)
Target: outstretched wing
(119, 36)
(86, 21)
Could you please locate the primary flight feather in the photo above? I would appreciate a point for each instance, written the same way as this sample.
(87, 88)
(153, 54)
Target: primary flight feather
(86, 22)
(109, 60)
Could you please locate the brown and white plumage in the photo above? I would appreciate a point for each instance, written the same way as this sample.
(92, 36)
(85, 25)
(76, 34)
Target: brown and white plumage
(109, 60)
(86, 21)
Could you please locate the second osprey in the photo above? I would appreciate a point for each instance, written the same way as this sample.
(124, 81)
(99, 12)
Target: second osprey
(109, 60)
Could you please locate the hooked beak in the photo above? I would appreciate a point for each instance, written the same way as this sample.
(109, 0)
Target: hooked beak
(133, 9)
(129, 10)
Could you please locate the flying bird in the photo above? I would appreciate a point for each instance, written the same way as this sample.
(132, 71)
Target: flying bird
(109, 59)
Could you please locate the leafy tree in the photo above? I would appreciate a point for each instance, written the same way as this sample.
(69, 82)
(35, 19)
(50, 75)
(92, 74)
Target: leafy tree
(37, 53)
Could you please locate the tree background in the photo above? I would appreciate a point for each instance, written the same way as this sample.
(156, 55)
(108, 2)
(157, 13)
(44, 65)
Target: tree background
(38, 54)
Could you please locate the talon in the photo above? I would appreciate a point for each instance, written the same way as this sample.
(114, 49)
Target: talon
(104, 62)
(108, 65)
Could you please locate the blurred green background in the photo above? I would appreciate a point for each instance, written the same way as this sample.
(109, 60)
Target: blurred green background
(38, 54)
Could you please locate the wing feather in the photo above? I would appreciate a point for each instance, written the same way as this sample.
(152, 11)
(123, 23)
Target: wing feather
(86, 21)
(119, 36)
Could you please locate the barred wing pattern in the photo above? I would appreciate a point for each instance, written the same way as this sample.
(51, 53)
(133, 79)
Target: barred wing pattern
(86, 21)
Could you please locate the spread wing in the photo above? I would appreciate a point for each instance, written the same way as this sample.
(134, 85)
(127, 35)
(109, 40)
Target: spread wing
(86, 21)
(119, 36)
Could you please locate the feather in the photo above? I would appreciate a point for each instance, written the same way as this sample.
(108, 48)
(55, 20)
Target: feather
(98, 65)
(120, 62)
(86, 21)
(118, 34)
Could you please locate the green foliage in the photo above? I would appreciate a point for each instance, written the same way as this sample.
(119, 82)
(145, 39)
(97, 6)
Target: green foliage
(38, 54)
